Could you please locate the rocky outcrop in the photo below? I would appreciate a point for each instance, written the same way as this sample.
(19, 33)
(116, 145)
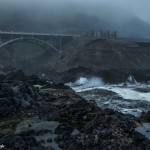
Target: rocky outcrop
(145, 117)
(102, 54)
(38, 114)
(113, 60)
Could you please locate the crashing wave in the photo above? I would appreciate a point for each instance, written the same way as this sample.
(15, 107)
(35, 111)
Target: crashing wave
(130, 81)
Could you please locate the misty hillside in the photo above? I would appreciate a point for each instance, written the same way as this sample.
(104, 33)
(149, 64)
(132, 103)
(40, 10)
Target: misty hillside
(93, 53)
(138, 27)
(102, 54)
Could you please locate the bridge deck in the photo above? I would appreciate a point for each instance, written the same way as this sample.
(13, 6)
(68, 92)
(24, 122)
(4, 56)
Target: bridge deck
(35, 34)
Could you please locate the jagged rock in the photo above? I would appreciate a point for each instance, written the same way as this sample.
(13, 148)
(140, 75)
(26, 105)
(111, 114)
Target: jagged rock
(21, 143)
(17, 95)
(65, 127)
(49, 140)
(98, 128)
(7, 107)
(145, 116)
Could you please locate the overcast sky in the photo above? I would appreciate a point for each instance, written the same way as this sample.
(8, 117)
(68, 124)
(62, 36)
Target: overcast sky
(126, 16)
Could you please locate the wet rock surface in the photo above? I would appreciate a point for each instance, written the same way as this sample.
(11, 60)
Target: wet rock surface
(145, 130)
(41, 115)
(145, 117)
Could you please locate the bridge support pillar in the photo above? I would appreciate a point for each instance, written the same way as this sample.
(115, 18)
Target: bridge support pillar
(60, 43)
(52, 41)
(1, 40)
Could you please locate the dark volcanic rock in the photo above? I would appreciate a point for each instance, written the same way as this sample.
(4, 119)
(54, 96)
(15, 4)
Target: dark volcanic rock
(145, 117)
(7, 107)
(65, 127)
(21, 143)
(49, 140)
(17, 96)
(97, 128)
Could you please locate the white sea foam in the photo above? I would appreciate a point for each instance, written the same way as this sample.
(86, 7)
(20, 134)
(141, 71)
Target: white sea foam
(126, 91)
(131, 94)
(84, 83)
(81, 81)
(135, 112)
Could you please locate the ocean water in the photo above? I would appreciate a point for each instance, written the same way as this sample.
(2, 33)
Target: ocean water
(129, 97)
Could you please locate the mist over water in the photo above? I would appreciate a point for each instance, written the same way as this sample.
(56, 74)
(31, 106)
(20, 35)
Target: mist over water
(129, 18)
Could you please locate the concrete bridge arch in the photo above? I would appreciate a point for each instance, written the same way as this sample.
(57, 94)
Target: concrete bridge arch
(43, 44)
(47, 55)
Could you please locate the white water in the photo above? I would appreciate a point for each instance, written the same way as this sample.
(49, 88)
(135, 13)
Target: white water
(127, 92)
(85, 82)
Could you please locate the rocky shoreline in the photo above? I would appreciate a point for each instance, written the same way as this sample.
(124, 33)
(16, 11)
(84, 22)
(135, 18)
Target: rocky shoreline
(41, 115)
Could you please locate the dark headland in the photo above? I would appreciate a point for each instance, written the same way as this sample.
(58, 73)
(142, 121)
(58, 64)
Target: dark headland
(112, 59)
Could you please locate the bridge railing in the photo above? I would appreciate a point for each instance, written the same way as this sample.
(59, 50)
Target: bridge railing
(102, 34)
(35, 33)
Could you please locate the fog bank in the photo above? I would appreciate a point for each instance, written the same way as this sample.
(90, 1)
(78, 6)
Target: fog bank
(129, 18)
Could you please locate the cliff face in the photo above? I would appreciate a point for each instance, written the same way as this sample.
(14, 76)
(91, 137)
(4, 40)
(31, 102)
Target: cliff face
(101, 54)
(114, 60)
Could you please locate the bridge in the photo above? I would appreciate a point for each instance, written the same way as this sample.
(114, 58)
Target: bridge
(45, 40)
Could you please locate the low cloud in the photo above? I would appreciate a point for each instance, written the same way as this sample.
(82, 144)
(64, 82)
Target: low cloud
(129, 18)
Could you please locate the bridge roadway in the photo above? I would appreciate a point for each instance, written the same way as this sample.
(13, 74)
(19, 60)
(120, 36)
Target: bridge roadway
(51, 40)
(36, 34)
